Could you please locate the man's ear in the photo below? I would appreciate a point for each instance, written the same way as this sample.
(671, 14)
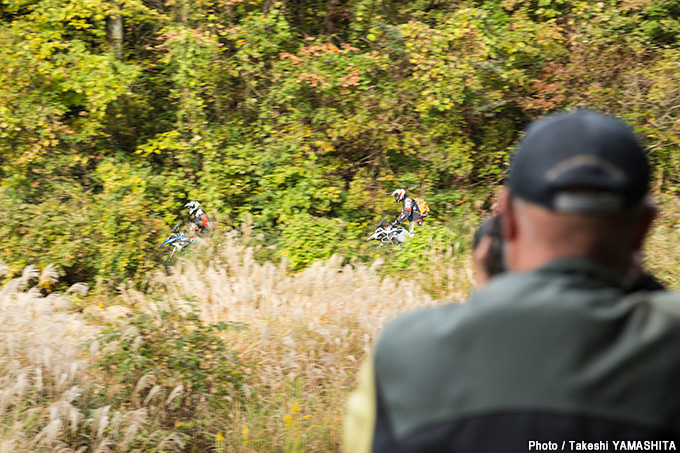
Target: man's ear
(507, 213)
(649, 213)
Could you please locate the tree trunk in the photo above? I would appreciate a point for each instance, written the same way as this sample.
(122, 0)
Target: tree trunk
(114, 25)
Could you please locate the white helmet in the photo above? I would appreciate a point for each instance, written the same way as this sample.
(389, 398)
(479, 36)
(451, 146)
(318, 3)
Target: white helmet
(192, 206)
(399, 195)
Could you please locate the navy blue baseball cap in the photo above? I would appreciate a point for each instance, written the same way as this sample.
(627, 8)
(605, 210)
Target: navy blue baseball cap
(580, 162)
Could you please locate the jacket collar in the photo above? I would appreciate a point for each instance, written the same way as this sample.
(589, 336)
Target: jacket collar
(584, 267)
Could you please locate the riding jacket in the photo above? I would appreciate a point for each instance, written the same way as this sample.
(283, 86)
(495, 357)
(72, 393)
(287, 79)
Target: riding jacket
(409, 211)
(200, 218)
(559, 355)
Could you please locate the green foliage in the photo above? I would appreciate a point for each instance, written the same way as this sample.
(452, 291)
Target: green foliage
(308, 239)
(436, 256)
(295, 110)
(433, 238)
(177, 348)
(109, 232)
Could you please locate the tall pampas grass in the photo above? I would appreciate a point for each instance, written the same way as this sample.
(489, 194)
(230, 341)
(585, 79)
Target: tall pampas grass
(48, 390)
(301, 338)
(306, 333)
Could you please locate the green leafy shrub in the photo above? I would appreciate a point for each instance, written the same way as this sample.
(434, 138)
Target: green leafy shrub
(432, 237)
(307, 239)
(190, 364)
(437, 256)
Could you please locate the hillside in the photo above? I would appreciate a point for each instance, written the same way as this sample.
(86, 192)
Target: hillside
(300, 115)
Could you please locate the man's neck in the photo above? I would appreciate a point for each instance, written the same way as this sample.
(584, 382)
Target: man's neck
(529, 259)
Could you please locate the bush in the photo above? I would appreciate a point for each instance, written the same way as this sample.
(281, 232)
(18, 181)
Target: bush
(437, 256)
(307, 239)
(181, 359)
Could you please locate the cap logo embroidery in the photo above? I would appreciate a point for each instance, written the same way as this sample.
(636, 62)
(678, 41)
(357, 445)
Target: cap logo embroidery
(591, 202)
(585, 160)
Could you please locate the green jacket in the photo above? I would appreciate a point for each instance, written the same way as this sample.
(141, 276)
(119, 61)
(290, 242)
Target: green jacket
(557, 355)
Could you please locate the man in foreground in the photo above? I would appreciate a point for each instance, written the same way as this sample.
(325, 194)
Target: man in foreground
(554, 350)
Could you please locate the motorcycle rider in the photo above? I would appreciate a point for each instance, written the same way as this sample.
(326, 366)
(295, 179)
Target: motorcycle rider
(198, 219)
(409, 211)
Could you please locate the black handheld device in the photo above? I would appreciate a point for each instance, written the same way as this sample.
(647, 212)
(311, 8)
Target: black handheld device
(492, 227)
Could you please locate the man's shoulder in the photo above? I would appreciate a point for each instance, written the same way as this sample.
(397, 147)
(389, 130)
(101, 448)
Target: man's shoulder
(417, 335)
(429, 319)
(420, 325)
(423, 320)
(524, 301)
(666, 303)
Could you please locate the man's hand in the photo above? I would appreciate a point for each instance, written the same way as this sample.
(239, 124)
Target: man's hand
(482, 260)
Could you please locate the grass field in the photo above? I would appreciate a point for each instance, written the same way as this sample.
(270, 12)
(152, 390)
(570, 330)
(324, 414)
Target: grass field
(144, 371)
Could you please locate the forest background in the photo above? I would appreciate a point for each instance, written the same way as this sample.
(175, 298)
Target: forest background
(303, 115)
(292, 121)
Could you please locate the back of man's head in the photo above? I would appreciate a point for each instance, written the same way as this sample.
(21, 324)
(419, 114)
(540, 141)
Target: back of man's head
(578, 187)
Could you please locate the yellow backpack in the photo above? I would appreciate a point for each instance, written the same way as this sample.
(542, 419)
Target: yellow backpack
(423, 207)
